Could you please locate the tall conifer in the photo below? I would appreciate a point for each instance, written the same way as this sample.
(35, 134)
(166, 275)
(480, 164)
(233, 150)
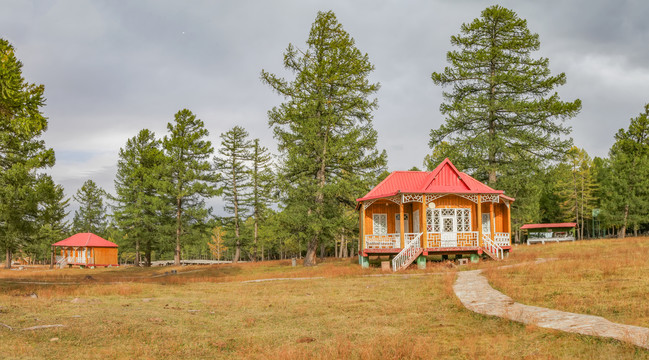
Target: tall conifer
(91, 216)
(22, 152)
(189, 178)
(502, 115)
(234, 155)
(326, 140)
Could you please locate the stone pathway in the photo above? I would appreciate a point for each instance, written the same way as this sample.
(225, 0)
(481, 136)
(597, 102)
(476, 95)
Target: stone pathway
(475, 293)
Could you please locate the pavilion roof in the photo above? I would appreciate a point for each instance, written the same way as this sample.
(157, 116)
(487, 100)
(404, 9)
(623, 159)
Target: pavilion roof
(85, 239)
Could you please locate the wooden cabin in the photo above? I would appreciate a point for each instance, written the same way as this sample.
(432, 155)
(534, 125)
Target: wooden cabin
(413, 214)
(540, 233)
(86, 250)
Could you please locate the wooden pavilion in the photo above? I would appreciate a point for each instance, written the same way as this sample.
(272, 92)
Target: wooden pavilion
(413, 214)
(86, 250)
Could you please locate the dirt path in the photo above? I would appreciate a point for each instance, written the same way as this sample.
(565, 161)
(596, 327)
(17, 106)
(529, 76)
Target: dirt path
(475, 293)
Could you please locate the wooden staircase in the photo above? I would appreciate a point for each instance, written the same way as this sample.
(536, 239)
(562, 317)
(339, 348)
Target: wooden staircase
(491, 248)
(410, 252)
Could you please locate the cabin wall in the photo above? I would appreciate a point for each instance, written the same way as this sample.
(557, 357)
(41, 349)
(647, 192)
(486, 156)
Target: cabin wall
(105, 256)
(448, 201)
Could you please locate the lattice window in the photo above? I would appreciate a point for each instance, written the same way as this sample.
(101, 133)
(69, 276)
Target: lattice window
(380, 225)
(435, 222)
(432, 220)
(466, 216)
(448, 225)
(413, 198)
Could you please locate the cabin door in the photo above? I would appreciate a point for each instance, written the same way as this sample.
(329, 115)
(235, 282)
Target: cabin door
(415, 221)
(449, 235)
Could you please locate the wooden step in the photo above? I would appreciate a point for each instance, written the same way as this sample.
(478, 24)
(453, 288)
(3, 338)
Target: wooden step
(411, 259)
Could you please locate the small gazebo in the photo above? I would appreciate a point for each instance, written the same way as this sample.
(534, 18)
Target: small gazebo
(540, 233)
(86, 250)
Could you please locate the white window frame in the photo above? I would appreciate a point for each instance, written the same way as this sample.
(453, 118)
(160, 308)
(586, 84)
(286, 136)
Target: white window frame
(384, 220)
(434, 222)
(397, 223)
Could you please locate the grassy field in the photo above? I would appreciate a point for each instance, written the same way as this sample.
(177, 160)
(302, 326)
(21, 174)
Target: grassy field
(609, 278)
(340, 311)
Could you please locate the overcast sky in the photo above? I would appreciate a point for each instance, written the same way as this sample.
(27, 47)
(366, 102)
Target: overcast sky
(112, 68)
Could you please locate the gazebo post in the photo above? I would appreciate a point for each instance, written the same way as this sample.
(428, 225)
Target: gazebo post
(479, 220)
(401, 224)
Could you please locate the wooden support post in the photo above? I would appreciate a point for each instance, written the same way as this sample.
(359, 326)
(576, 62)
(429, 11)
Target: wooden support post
(509, 221)
(361, 224)
(424, 223)
(492, 221)
(401, 224)
(479, 220)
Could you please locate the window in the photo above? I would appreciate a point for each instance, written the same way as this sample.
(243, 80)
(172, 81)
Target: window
(397, 223)
(448, 219)
(380, 224)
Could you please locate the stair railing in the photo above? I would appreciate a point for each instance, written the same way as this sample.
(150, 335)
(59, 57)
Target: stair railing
(492, 248)
(411, 249)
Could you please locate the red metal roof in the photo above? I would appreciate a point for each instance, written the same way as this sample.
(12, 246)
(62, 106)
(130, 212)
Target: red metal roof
(443, 180)
(543, 226)
(85, 239)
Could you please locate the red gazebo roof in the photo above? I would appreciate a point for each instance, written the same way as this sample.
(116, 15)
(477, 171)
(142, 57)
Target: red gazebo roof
(544, 226)
(445, 179)
(85, 239)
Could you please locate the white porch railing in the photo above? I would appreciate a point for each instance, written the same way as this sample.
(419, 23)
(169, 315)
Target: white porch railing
(75, 260)
(502, 239)
(492, 248)
(387, 241)
(467, 238)
(411, 249)
(61, 262)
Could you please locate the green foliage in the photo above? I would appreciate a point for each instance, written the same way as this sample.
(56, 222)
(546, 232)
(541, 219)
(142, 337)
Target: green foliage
(235, 174)
(189, 178)
(501, 114)
(22, 152)
(576, 185)
(625, 181)
(141, 211)
(324, 130)
(91, 216)
(51, 221)
(262, 186)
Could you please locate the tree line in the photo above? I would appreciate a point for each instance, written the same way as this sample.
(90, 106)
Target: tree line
(504, 124)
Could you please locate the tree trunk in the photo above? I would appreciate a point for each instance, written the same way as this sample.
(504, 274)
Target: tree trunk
(52, 258)
(8, 259)
(137, 252)
(235, 203)
(622, 232)
(178, 231)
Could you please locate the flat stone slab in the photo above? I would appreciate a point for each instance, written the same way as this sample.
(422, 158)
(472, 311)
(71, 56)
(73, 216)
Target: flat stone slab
(475, 293)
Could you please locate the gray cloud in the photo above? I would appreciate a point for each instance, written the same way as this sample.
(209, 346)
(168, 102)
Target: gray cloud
(113, 68)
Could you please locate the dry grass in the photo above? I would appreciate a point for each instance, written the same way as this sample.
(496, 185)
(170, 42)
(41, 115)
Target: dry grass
(210, 314)
(607, 278)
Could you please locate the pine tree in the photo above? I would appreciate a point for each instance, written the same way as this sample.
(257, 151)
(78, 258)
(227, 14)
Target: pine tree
(91, 216)
(326, 140)
(139, 205)
(261, 181)
(51, 222)
(189, 178)
(576, 185)
(22, 152)
(501, 117)
(235, 174)
(626, 187)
